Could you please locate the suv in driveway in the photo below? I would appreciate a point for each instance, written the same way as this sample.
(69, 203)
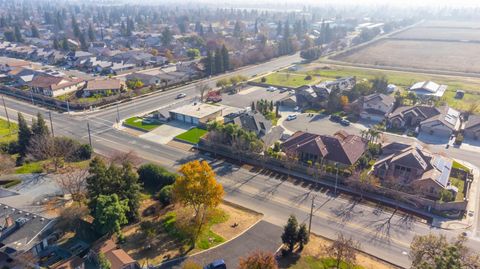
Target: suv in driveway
(335, 118)
(217, 264)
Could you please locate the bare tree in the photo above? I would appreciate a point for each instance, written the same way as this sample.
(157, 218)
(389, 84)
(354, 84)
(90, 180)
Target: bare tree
(73, 182)
(43, 147)
(343, 249)
(120, 158)
(6, 164)
(202, 88)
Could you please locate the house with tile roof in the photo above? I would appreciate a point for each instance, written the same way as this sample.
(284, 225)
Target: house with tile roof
(103, 86)
(118, 258)
(374, 106)
(54, 86)
(341, 148)
(413, 167)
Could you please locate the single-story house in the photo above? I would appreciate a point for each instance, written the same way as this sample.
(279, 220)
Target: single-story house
(118, 258)
(428, 89)
(55, 86)
(412, 168)
(472, 127)
(442, 121)
(444, 124)
(196, 113)
(341, 148)
(374, 106)
(146, 79)
(104, 86)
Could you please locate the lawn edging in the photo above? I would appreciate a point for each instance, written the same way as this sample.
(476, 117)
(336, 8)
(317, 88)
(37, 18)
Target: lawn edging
(221, 244)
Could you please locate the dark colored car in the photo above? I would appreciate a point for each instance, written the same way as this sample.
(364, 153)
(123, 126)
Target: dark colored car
(335, 118)
(217, 264)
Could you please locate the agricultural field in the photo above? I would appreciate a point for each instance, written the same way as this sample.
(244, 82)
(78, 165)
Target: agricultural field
(437, 33)
(423, 55)
(451, 24)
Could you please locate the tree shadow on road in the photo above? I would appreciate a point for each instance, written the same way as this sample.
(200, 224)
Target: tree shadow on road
(347, 212)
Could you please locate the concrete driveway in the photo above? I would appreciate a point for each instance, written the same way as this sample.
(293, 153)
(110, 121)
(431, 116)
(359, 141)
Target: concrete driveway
(166, 132)
(263, 236)
(319, 124)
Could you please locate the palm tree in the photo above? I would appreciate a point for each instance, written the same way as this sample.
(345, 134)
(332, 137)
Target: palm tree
(374, 134)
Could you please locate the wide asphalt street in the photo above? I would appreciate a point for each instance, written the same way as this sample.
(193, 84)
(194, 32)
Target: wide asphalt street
(381, 234)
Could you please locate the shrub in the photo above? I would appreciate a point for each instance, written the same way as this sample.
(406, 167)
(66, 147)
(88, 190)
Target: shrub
(459, 139)
(165, 195)
(446, 196)
(263, 79)
(308, 77)
(84, 152)
(155, 177)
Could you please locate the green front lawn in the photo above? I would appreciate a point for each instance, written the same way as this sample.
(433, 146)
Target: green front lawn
(310, 262)
(30, 168)
(8, 134)
(192, 136)
(457, 165)
(288, 79)
(140, 123)
(460, 184)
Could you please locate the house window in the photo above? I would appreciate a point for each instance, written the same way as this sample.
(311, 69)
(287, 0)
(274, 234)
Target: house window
(262, 126)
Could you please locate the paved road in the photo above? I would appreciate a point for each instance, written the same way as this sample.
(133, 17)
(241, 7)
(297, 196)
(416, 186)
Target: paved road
(264, 236)
(275, 198)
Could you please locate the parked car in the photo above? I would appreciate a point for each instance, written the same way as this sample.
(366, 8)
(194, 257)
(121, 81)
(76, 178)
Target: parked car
(296, 108)
(335, 118)
(291, 91)
(214, 99)
(271, 89)
(344, 122)
(181, 95)
(291, 117)
(282, 90)
(217, 264)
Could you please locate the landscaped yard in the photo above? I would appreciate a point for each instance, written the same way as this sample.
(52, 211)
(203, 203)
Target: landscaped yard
(172, 225)
(140, 123)
(191, 136)
(289, 79)
(313, 256)
(8, 134)
(30, 168)
(457, 165)
(460, 184)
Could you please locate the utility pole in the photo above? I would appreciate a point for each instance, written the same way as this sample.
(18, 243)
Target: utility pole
(51, 122)
(89, 135)
(118, 115)
(311, 215)
(6, 112)
(31, 96)
(336, 177)
(68, 107)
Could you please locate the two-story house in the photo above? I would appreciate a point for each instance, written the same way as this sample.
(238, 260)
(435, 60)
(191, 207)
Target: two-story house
(374, 106)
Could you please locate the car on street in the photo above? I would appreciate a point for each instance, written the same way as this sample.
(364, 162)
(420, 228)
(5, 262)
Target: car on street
(335, 118)
(217, 264)
(282, 90)
(345, 122)
(291, 117)
(181, 95)
(271, 89)
(291, 91)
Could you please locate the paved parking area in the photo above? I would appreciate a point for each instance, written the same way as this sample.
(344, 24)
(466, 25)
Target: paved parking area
(263, 236)
(320, 124)
(166, 132)
(245, 97)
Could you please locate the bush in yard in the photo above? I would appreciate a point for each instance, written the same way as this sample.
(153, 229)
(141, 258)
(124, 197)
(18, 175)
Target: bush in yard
(84, 152)
(165, 195)
(308, 77)
(263, 79)
(191, 265)
(155, 177)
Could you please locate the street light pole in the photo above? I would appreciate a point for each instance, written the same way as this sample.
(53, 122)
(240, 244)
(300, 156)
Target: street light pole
(89, 135)
(118, 115)
(311, 215)
(51, 122)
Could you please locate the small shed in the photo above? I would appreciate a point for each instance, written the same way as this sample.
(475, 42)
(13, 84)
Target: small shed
(459, 94)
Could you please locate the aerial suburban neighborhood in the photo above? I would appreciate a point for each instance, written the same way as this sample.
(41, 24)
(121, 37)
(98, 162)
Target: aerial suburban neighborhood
(249, 135)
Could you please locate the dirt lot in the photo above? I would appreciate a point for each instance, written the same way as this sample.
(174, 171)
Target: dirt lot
(451, 24)
(427, 55)
(438, 33)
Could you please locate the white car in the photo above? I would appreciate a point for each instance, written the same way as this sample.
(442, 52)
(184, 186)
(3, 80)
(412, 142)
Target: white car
(181, 95)
(271, 89)
(296, 108)
(291, 117)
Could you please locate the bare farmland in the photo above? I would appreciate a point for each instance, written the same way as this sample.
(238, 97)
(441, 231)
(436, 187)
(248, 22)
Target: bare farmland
(426, 55)
(445, 34)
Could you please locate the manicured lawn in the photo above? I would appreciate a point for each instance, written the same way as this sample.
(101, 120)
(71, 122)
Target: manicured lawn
(310, 262)
(288, 79)
(460, 184)
(191, 136)
(137, 122)
(457, 165)
(8, 134)
(30, 168)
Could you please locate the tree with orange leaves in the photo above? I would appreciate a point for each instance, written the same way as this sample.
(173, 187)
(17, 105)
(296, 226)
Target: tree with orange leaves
(197, 187)
(259, 260)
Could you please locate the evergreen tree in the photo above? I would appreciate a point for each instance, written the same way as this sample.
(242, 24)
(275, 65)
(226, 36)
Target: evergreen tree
(130, 189)
(65, 46)
(237, 30)
(290, 233)
(110, 214)
(210, 28)
(123, 29)
(75, 28)
(56, 45)
(219, 68)
(210, 64)
(302, 236)
(279, 28)
(83, 42)
(35, 31)
(39, 127)
(9, 36)
(24, 135)
(91, 33)
(226, 58)
(255, 29)
(167, 37)
(18, 34)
